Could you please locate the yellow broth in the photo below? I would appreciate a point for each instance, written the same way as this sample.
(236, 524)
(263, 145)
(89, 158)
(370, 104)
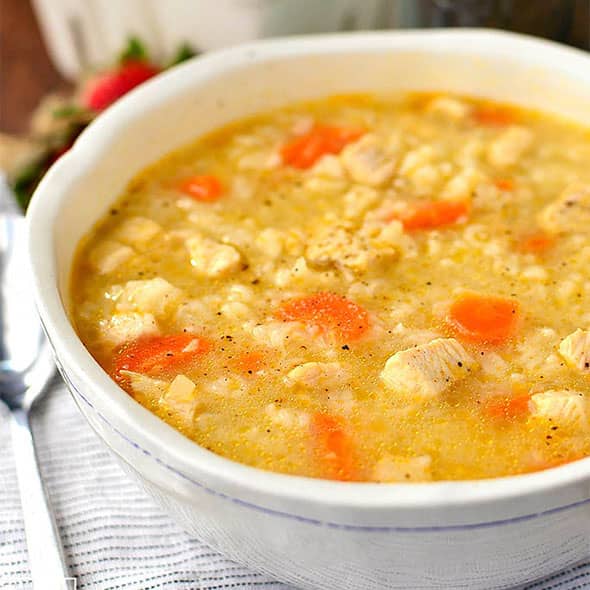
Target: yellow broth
(224, 270)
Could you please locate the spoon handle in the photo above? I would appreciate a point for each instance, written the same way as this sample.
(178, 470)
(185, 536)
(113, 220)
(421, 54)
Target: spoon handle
(46, 560)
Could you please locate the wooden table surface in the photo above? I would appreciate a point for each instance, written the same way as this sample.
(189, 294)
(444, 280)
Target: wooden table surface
(26, 72)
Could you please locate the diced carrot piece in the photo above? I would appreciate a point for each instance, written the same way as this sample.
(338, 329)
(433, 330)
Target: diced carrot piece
(333, 447)
(507, 408)
(204, 187)
(483, 319)
(330, 312)
(504, 184)
(160, 355)
(536, 243)
(250, 362)
(492, 116)
(431, 214)
(304, 151)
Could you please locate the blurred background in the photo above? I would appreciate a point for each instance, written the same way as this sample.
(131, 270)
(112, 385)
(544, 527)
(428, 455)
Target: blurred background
(63, 61)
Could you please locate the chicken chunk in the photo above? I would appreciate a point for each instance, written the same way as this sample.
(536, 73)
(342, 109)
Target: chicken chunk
(507, 149)
(570, 212)
(426, 371)
(109, 255)
(338, 247)
(154, 296)
(329, 166)
(567, 409)
(575, 349)
(180, 400)
(448, 108)
(316, 375)
(148, 387)
(211, 258)
(181, 394)
(137, 231)
(123, 327)
(335, 247)
(393, 469)
(367, 162)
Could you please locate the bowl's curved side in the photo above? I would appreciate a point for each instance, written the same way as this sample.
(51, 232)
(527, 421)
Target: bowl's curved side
(256, 516)
(322, 553)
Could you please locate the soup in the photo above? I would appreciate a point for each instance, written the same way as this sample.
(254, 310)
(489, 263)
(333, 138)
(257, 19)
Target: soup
(359, 288)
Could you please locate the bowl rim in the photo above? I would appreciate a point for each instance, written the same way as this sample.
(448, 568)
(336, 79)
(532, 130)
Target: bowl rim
(138, 423)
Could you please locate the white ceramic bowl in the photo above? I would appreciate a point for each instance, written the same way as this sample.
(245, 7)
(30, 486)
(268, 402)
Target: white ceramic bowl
(312, 533)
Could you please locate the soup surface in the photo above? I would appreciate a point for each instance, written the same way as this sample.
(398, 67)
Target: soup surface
(358, 288)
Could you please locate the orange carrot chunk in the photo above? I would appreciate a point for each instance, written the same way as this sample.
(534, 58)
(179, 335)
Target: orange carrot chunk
(329, 312)
(507, 408)
(204, 187)
(431, 214)
(491, 116)
(159, 356)
(333, 447)
(250, 362)
(483, 319)
(304, 151)
(536, 243)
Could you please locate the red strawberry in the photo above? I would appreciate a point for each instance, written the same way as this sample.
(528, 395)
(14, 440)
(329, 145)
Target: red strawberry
(106, 88)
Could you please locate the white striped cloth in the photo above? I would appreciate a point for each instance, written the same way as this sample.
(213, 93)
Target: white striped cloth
(114, 537)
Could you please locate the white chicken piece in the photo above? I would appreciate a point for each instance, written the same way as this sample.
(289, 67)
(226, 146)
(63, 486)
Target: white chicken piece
(109, 255)
(570, 212)
(136, 231)
(151, 388)
(124, 327)
(335, 247)
(575, 349)
(329, 166)
(448, 108)
(507, 149)
(338, 247)
(317, 375)
(367, 162)
(562, 408)
(154, 296)
(211, 258)
(426, 371)
(391, 469)
(180, 397)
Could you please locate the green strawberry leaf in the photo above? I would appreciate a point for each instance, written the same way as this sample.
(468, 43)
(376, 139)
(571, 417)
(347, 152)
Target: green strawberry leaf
(134, 51)
(184, 52)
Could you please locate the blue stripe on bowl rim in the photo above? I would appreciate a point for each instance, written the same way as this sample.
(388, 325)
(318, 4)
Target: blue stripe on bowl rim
(313, 521)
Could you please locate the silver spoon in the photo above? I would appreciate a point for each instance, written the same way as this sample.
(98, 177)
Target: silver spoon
(26, 367)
